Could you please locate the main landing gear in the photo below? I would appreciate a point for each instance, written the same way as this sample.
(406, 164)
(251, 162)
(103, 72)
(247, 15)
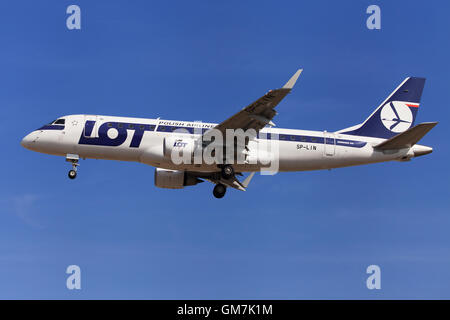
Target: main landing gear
(227, 172)
(219, 190)
(73, 158)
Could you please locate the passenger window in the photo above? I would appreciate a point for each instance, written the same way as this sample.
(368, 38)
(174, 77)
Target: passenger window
(120, 125)
(142, 127)
(131, 126)
(293, 138)
(109, 125)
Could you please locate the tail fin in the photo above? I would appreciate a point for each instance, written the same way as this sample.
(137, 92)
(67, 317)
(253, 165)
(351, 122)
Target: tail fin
(395, 115)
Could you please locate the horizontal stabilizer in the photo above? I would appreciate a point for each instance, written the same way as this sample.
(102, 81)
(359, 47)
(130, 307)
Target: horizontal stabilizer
(408, 138)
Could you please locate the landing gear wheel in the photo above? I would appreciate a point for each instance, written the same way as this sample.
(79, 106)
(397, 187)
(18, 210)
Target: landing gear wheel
(227, 172)
(219, 190)
(72, 174)
(73, 158)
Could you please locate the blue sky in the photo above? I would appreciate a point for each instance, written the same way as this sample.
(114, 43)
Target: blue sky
(290, 236)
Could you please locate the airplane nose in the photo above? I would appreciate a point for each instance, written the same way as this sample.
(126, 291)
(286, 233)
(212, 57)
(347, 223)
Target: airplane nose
(25, 141)
(28, 140)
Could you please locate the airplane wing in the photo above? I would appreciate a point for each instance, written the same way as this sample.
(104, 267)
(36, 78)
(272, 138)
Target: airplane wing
(261, 112)
(255, 116)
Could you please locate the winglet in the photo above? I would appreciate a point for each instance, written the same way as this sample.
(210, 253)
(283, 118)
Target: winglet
(290, 84)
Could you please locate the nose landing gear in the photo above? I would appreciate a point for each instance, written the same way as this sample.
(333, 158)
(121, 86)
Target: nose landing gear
(72, 174)
(226, 173)
(73, 158)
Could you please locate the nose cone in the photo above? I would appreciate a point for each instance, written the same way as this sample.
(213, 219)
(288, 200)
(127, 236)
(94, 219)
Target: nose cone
(26, 141)
(29, 140)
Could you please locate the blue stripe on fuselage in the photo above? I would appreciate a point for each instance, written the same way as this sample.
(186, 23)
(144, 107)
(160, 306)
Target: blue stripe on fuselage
(140, 128)
(280, 137)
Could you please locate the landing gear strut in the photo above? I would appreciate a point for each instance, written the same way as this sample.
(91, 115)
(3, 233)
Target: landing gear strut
(227, 172)
(219, 190)
(73, 158)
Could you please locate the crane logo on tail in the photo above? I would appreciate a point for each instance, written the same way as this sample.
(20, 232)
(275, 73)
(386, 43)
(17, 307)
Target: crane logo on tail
(397, 116)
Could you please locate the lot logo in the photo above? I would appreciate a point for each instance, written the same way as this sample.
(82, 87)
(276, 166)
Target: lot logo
(396, 116)
(113, 134)
(180, 144)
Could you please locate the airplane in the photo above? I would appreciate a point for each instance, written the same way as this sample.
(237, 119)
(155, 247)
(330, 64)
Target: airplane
(387, 134)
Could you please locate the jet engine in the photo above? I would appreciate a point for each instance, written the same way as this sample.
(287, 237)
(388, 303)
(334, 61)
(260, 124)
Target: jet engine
(178, 149)
(174, 179)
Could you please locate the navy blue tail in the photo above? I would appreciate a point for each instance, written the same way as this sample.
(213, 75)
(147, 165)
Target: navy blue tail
(395, 115)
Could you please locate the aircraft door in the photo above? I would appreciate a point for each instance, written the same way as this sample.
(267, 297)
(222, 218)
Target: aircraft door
(329, 141)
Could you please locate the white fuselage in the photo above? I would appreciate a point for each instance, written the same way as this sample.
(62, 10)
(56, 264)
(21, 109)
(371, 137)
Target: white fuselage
(142, 140)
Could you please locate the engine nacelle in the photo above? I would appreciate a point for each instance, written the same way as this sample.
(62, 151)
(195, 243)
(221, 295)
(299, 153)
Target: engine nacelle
(179, 148)
(174, 179)
(161, 151)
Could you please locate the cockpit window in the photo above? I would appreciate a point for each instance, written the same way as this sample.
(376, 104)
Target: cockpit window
(60, 121)
(58, 124)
